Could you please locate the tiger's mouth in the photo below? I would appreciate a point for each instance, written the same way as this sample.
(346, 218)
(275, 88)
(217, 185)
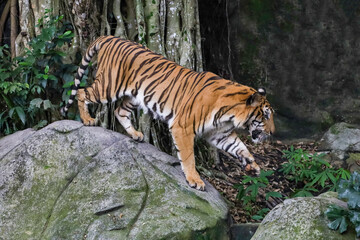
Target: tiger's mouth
(258, 136)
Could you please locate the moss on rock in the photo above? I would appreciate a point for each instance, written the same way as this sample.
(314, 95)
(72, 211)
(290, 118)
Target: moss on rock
(72, 182)
(301, 218)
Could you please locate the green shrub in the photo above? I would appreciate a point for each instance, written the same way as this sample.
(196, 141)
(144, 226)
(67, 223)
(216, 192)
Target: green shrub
(340, 218)
(249, 193)
(31, 85)
(312, 171)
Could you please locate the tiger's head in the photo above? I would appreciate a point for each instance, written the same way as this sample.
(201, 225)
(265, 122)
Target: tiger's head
(260, 122)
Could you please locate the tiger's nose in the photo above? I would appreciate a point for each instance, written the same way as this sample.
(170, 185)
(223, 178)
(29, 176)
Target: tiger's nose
(256, 133)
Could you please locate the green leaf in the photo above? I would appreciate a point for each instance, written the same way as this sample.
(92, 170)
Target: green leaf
(68, 84)
(344, 174)
(25, 63)
(241, 192)
(11, 112)
(21, 114)
(257, 217)
(46, 69)
(323, 179)
(36, 102)
(67, 33)
(265, 173)
(316, 179)
(47, 104)
(303, 193)
(247, 179)
(357, 229)
(339, 223)
(334, 212)
(273, 194)
(40, 124)
(332, 177)
(52, 77)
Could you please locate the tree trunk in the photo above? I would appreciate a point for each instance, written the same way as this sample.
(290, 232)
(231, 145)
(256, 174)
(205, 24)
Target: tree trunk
(170, 28)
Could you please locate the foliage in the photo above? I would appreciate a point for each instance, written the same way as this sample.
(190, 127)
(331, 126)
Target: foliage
(306, 191)
(260, 214)
(311, 170)
(249, 189)
(249, 194)
(340, 218)
(29, 82)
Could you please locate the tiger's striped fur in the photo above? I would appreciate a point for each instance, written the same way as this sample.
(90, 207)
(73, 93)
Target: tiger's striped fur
(191, 103)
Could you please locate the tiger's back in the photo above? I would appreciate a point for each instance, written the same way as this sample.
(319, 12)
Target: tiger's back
(191, 103)
(161, 87)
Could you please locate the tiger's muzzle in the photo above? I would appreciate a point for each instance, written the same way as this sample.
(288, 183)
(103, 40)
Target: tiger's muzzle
(258, 136)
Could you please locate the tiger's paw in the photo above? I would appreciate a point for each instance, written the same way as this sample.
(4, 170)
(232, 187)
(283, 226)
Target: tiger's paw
(89, 121)
(137, 136)
(247, 160)
(253, 167)
(196, 183)
(244, 158)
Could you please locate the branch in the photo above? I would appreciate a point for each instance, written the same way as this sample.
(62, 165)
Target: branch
(120, 26)
(3, 19)
(140, 22)
(131, 20)
(13, 32)
(104, 22)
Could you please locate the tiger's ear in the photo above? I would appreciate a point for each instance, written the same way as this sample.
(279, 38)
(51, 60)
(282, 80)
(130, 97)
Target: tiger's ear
(262, 91)
(256, 99)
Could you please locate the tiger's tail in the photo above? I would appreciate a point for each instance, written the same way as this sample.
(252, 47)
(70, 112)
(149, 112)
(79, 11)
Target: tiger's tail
(90, 52)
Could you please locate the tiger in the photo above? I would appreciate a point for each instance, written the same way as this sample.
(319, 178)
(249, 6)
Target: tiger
(193, 104)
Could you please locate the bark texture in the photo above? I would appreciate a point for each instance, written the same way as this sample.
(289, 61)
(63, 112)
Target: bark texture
(170, 28)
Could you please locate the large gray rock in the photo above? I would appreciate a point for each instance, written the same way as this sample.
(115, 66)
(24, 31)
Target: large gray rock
(342, 137)
(301, 219)
(68, 181)
(342, 141)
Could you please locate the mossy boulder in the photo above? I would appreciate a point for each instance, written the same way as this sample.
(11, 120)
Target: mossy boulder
(68, 181)
(302, 218)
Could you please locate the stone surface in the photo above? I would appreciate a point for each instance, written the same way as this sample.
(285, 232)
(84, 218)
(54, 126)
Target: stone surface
(243, 231)
(341, 137)
(342, 142)
(68, 181)
(301, 218)
(305, 53)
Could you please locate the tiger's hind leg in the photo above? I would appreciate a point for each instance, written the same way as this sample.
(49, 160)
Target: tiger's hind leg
(123, 115)
(83, 101)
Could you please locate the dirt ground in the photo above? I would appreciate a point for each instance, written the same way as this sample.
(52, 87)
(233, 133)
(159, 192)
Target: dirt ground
(269, 156)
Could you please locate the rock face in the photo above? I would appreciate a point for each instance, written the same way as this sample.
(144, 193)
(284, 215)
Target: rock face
(342, 140)
(68, 181)
(301, 218)
(305, 53)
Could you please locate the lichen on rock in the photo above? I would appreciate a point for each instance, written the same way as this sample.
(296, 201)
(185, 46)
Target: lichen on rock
(301, 218)
(68, 181)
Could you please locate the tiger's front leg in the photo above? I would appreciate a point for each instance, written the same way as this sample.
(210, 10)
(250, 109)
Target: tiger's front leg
(184, 142)
(123, 115)
(232, 144)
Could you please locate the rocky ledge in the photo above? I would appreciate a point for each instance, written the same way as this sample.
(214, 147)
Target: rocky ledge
(68, 181)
